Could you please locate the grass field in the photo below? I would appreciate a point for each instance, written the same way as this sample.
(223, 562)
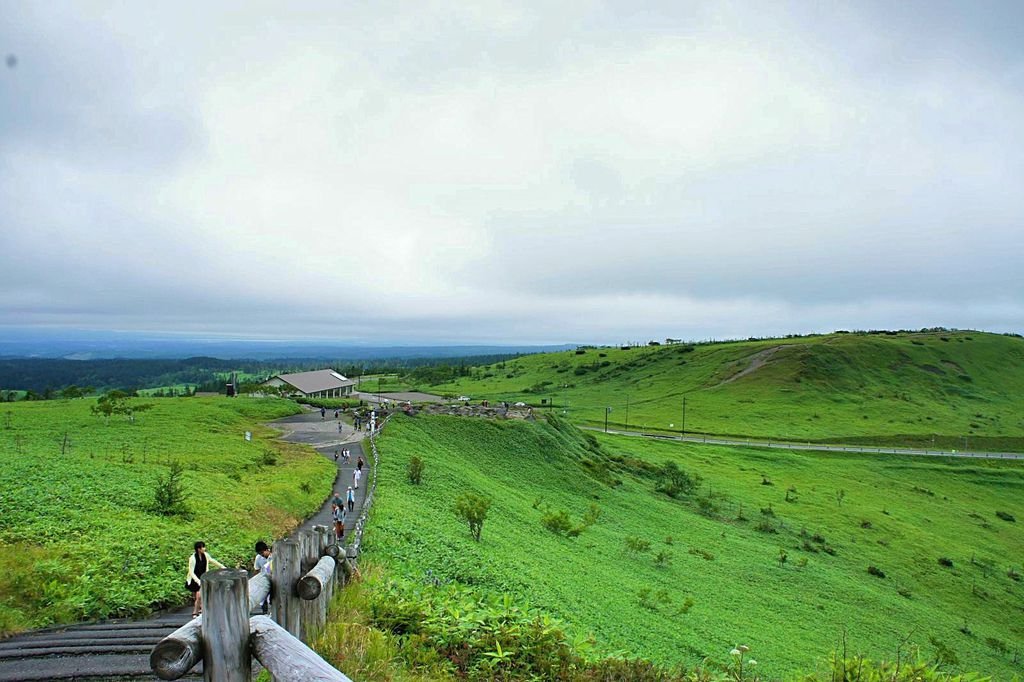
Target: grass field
(78, 536)
(962, 390)
(681, 579)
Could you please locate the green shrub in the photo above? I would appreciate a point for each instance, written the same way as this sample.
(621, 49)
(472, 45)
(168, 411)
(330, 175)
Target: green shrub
(637, 545)
(415, 470)
(558, 522)
(472, 509)
(169, 493)
(1006, 516)
(674, 482)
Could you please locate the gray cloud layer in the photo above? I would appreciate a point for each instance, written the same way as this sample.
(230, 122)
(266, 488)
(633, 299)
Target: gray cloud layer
(508, 172)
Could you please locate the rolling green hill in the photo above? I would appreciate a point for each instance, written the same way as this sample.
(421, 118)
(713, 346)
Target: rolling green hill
(962, 390)
(79, 536)
(781, 551)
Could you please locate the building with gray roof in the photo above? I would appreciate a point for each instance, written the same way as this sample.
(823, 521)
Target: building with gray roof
(322, 383)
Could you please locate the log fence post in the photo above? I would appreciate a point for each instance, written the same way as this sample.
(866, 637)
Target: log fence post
(308, 611)
(225, 626)
(285, 603)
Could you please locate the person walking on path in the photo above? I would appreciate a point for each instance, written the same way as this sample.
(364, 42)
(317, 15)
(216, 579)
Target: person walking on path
(335, 455)
(359, 464)
(323, 414)
(356, 475)
(338, 515)
(351, 496)
(261, 563)
(337, 499)
(198, 563)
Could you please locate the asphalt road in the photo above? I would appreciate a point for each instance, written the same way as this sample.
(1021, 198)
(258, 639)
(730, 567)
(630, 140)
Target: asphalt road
(821, 447)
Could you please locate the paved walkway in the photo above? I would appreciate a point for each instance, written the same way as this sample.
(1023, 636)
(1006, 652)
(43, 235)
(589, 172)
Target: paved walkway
(822, 447)
(120, 648)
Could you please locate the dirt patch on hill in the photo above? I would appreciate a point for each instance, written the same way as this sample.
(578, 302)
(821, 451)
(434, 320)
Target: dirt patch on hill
(933, 369)
(756, 362)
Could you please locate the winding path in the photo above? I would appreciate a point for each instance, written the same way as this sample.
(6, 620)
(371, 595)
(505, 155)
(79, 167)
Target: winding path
(120, 648)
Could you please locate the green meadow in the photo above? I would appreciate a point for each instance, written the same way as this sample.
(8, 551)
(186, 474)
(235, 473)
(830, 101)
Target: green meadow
(787, 553)
(79, 535)
(962, 390)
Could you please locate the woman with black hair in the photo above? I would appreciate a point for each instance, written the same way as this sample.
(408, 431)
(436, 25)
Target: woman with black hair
(198, 563)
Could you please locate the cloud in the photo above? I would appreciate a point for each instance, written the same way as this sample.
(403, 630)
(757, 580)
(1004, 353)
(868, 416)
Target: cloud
(511, 172)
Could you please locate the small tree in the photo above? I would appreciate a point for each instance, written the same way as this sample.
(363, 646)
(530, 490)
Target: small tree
(415, 470)
(472, 509)
(170, 492)
(674, 482)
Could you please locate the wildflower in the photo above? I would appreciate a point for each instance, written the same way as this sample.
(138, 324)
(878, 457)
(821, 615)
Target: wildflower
(744, 648)
(735, 652)
(752, 662)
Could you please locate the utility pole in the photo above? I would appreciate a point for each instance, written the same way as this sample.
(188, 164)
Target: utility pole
(684, 418)
(627, 412)
(606, 411)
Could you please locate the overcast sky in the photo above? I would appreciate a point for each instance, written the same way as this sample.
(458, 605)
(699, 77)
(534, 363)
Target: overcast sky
(485, 172)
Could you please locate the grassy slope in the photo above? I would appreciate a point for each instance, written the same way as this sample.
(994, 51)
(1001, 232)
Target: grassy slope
(76, 537)
(885, 389)
(790, 616)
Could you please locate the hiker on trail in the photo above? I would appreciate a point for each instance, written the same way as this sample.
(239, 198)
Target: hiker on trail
(261, 563)
(336, 500)
(197, 565)
(338, 515)
(356, 475)
(335, 455)
(351, 496)
(336, 416)
(359, 464)
(346, 454)
(323, 413)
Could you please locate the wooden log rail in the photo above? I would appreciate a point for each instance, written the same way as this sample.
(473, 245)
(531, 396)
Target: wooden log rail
(305, 573)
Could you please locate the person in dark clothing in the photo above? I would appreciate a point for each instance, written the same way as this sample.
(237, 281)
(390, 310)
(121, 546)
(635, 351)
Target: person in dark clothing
(198, 564)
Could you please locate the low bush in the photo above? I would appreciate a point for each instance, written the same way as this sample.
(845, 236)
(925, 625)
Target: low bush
(415, 470)
(1006, 516)
(876, 571)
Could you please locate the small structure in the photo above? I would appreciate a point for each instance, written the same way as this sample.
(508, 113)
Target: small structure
(323, 383)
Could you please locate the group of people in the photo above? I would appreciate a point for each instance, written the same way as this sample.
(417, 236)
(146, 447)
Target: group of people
(200, 562)
(339, 508)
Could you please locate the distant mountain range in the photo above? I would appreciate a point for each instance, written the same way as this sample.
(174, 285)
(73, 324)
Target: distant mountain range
(93, 345)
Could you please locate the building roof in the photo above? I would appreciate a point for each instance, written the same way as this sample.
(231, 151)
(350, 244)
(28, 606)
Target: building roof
(314, 382)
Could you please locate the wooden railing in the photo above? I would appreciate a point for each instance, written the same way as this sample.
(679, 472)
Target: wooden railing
(305, 573)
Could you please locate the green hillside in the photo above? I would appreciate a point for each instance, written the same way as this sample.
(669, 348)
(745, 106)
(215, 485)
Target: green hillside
(79, 537)
(962, 390)
(711, 576)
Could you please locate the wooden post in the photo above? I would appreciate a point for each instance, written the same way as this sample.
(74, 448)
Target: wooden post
(177, 653)
(226, 656)
(286, 571)
(309, 613)
(286, 657)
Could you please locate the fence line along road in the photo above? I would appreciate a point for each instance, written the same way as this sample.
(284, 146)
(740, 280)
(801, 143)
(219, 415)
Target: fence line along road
(824, 447)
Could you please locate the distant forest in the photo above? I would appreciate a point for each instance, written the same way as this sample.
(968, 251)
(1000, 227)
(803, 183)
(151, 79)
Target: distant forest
(35, 378)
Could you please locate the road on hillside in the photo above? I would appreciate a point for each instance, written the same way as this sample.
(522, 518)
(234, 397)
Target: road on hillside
(119, 648)
(821, 447)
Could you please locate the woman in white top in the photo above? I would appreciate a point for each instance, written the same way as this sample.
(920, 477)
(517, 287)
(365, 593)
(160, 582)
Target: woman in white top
(198, 563)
